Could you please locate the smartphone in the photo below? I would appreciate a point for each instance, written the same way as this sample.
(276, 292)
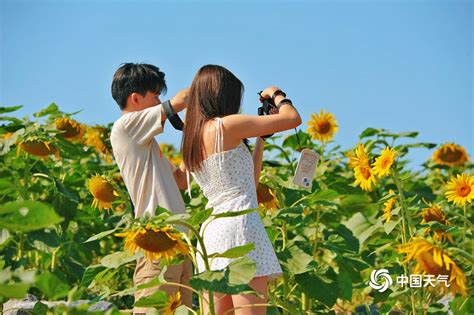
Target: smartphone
(305, 169)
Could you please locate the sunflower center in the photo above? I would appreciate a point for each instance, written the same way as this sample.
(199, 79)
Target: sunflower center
(263, 193)
(38, 148)
(323, 126)
(426, 260)
(464, 190)
(451, 155)
(432, 217)
(104, 192)
(174, 305)
(154, 242)
(385, 163)
(69, 129)
(365, 171)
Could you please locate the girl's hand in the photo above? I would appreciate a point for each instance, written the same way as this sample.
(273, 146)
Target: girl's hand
(268, 92)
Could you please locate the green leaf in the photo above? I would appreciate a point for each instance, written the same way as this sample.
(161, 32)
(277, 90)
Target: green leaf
(39, 309)
(157, 299)
(241, 270)
(232, 280)
(234, 213)
(295, 260)
(462, 306)
(369, 132)
(236, 252)
(362, 227)
(381, 296)
(323, 195)
(90, 273)
(353, 203)
(51, 285)
(200, 217)
(118, 259)
(389, 226)
(409, 134)
(180, 217)
(14, 120)
(315, 287)
(14, 290)
(351, 241)
(5, 186)
(99, 236)
(52, 108)
(27, 216)
(10, 109)
(415, 145)
(345, 284)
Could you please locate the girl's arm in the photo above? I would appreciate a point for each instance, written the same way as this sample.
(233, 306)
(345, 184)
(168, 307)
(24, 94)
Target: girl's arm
(240, 126)
(257, 159)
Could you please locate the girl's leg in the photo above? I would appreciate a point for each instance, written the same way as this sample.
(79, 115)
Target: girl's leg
(222, 303)
(259, 284)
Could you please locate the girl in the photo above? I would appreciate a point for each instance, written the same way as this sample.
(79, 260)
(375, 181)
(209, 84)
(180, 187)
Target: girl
(216, 153)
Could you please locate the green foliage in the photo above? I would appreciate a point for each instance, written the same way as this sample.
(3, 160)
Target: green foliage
(56, 245)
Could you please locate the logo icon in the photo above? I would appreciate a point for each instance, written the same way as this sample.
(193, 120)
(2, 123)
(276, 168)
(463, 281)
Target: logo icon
(384, 275)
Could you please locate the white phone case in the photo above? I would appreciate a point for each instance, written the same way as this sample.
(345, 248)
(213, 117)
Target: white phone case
(305, 169)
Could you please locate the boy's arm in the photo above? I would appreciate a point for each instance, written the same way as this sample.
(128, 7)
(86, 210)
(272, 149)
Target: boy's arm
(143, 125)
(180, 177)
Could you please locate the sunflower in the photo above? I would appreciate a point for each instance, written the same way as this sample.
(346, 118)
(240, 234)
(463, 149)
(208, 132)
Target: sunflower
(266, 197)
(434, 213)
(460, 190)
(388, 207)
(384, 162)
(450, 154)
(359, 160)
(174, 301)
(365, 177)
(359, 157)
(156, 242)
(6, 135)
(169, 151)
(322, 127)
(95, 138)
(103, 192)
(38, 148)
(434, 261)
(71, 128)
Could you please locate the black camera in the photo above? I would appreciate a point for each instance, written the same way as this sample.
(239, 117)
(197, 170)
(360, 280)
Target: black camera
(267, 105)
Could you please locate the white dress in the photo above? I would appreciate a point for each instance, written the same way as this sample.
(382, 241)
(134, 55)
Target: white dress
(227, 181)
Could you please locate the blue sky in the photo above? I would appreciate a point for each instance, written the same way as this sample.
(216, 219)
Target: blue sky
(399, 65)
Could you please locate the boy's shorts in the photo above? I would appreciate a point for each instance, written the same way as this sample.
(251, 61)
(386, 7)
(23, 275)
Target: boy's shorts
(145, 271)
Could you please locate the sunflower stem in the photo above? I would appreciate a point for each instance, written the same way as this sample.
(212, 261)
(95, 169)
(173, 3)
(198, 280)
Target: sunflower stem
(405, 214)
(404, 228)
(315, 244)
(465, 245)
(205, 259)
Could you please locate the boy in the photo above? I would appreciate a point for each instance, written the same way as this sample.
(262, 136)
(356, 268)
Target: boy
(150, 178)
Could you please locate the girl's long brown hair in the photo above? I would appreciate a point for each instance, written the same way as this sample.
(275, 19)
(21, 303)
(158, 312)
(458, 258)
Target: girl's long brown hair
(215, 92)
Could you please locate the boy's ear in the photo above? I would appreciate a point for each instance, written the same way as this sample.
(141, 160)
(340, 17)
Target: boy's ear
(134, 99)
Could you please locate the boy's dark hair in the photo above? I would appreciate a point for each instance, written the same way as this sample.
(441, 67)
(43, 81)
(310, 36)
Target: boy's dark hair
(136, 78)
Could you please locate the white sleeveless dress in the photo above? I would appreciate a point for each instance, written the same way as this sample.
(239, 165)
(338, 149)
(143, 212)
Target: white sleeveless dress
(227, 181)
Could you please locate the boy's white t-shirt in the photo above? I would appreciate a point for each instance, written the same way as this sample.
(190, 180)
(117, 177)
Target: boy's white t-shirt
(147, 173)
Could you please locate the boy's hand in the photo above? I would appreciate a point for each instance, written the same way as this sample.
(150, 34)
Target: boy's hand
(179, 101)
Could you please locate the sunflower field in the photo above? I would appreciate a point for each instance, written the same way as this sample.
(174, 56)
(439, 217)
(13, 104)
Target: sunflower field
(369, 236)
